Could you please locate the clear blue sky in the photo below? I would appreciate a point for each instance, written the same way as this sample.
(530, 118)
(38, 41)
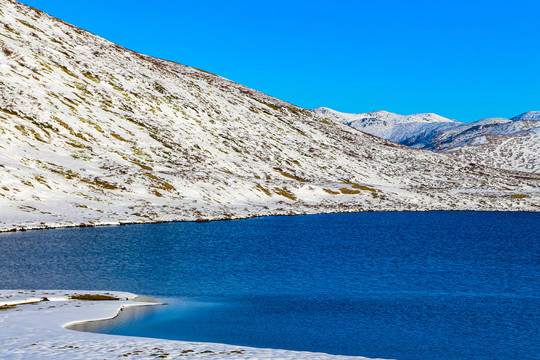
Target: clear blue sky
(463, 59)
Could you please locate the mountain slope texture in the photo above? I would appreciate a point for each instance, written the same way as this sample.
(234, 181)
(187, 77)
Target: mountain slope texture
(507, 144)
(92, 133)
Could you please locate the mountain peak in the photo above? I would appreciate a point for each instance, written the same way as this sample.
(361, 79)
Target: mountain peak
(529, 115)
(382, 116)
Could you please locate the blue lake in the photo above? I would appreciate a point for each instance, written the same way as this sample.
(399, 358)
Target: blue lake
(431, 285)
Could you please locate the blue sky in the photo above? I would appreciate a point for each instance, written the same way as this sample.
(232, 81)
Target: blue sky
(461, 59)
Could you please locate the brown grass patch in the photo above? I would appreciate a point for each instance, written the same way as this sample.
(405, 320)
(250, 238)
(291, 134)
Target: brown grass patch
(27, 24)
(349, 191)
(292, 176)
(7, 52)
(93, 297)
(364, 188)
(142, 166)
(65, 69)
(286, 193)
(160, 183)
(118, 137)
(331, 191)
(102, 184)
(518, 196)
(261, 188)
(91, 76)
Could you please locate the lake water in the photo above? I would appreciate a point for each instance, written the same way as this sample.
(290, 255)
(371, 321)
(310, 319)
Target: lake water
(432, 285)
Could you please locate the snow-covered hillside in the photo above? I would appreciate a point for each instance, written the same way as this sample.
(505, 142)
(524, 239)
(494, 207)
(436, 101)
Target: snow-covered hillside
(93, 133)
(508, 144)
(517, 151)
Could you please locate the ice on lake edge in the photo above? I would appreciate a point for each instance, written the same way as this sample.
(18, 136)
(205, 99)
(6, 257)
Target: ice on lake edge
(33, 327)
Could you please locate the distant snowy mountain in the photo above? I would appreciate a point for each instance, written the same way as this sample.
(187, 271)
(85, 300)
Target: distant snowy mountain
(509, 144)
(93, 133)
(413, 130)
(529, 115)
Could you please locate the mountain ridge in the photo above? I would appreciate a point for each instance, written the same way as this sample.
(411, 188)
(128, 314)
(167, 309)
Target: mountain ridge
(508, 144)
(529, 115)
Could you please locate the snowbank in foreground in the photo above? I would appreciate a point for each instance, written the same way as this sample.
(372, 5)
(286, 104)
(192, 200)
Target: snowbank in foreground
(33, 327)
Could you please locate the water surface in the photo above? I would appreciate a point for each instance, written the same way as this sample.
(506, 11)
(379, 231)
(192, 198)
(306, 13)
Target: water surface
(435, 285)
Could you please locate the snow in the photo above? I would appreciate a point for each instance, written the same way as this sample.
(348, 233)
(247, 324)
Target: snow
(36, 329)
(529, 115)
(387, 125)
(519, 151)
(94, 134)
(381, 116)
(479, 142)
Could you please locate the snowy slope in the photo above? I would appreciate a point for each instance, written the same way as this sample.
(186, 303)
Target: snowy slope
(519, 151)
(464, 133)
(93, 133)
(508, 144)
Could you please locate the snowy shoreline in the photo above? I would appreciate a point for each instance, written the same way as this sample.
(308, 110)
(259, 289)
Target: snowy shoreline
(52, 226)
(34, 326)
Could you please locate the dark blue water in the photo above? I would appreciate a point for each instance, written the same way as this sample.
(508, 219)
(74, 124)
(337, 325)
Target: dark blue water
(436, 285)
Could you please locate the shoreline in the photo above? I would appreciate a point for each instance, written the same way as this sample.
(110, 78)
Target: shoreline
(35, 325)
(139, 301)
(231, 218)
